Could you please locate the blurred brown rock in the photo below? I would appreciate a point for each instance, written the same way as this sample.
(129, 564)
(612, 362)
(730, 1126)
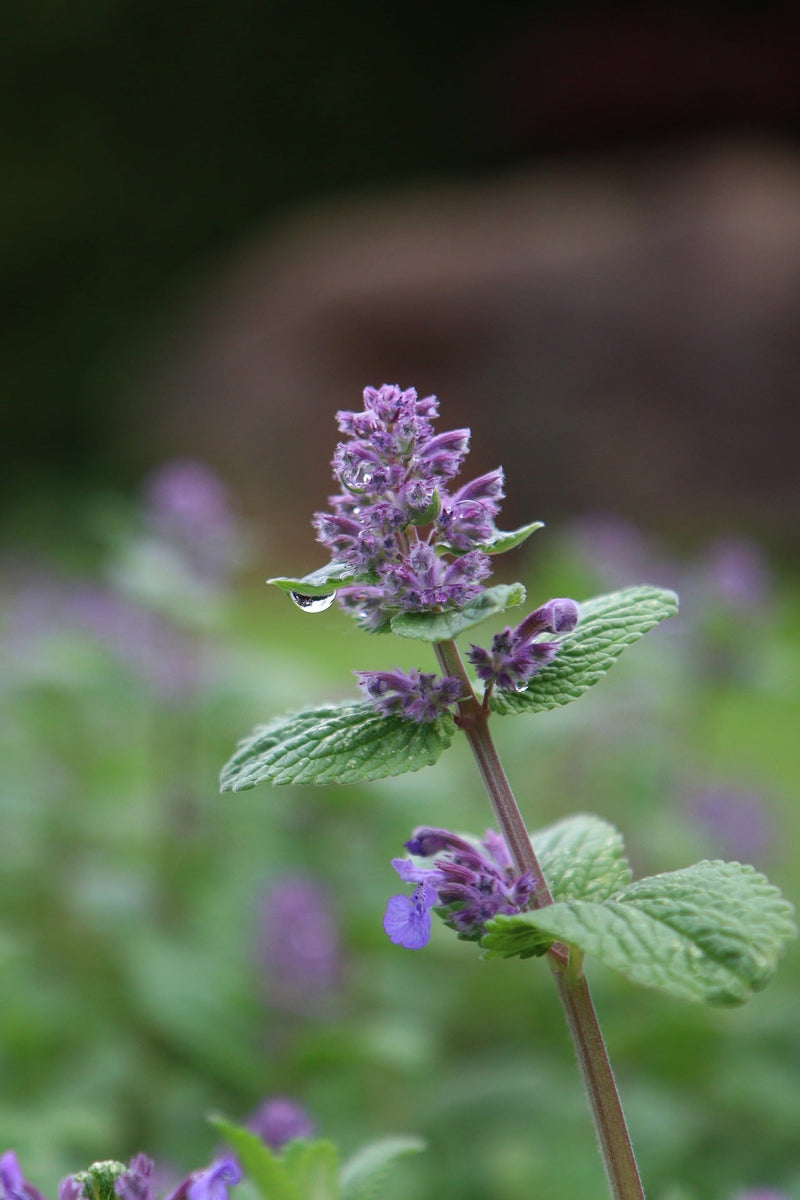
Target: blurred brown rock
(620, 334)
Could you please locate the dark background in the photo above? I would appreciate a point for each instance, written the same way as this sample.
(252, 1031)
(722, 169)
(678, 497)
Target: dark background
(156, 155)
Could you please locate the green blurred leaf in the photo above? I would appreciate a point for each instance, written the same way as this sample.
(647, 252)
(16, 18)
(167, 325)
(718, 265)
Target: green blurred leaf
(321, 582)
(442, 627)
(363, 1174)
(608, 624)
(265, 1170)
(335, 744)
(582, 857)
(712, 932)
(313, 1168)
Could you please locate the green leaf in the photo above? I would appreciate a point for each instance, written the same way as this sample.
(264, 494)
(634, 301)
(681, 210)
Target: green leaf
(335, 744)
(509, 541)
(501, 541)
(313, 1168)
(321, 582)
(265, 1170)
(712, 932)
(608, 624)
(442, 627)
(363, 1174)
(582, 858)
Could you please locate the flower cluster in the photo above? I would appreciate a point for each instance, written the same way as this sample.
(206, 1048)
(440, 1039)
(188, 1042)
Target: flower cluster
(470, 881)
(109, 1180)
(394, 472)
(516, 656)
(415, 697)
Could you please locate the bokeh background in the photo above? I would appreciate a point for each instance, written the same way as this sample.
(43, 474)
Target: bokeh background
(579, 226)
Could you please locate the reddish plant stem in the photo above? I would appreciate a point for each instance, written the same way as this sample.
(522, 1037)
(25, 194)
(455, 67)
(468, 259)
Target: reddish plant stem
(567, 968)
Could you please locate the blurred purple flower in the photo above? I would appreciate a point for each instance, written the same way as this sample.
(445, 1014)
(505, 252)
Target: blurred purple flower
(280, 1120)
(136, 1183)
(47, 607)
(613, 548)
(298, 945)
(761, 1194)
(739, 574)
(132, 1183)
(737, 820)
(13, 1184)
(187, 506)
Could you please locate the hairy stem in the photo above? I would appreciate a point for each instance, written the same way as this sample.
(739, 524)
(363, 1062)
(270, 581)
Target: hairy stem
(573, 989)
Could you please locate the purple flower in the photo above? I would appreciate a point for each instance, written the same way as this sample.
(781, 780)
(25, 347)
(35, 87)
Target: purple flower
(738, 571)
(738, 820)
(515, 656)
(298, 945)
(414, 697)
(280, 1120)
(136, 1183)
(187, 506)
(211, 1183)
(107, 1180)
(467, 518)
(13, 1184)
(471, 881)
(408, 919)
(214, 1181)
(762, 1194)
(422, 580)
(394, 472)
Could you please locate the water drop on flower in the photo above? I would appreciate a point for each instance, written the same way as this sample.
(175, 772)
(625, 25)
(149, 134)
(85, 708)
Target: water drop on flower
(356, 479)
(313, 604)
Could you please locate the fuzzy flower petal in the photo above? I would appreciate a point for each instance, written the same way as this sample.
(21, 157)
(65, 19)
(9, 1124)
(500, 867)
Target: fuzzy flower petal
(408, 919)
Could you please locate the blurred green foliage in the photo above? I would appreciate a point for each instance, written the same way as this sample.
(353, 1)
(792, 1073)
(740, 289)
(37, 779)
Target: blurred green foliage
(135, 996)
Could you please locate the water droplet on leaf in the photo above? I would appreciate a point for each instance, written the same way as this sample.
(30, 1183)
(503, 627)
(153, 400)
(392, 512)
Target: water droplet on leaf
(313, 604)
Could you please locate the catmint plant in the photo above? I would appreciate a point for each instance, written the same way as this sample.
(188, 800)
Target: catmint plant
(411, 553)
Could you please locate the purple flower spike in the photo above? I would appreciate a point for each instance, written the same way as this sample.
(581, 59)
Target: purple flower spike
(473, 881)
(280, 1120)
(412, 546)
(515, 657)
(414, 697)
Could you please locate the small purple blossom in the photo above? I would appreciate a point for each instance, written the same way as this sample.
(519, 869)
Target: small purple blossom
(408, 919)
(280, 1120)
(414, 697)
(471, 881)
(515, 656)
(213, 1182)
(136, 1183)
